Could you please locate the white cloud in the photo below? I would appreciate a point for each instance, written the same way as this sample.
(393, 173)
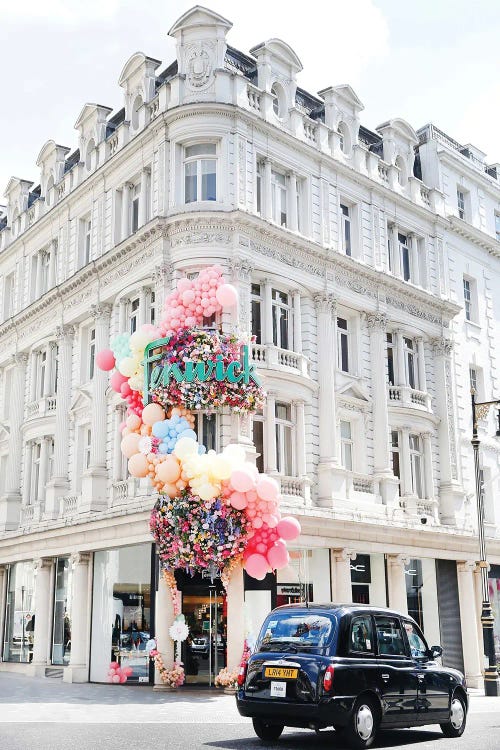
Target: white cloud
(59, 11)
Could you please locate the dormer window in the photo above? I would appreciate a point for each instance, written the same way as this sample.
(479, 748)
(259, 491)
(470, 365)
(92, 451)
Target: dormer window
(344, 138)
(200, 172)
(278, 96)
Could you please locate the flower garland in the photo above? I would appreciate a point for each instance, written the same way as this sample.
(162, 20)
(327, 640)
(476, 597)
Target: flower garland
(226, 678)
(205, 347)
(172, 678)
(193, 534)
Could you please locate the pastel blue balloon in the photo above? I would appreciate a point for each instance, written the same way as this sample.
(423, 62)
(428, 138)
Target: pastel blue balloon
(163, 448)
(188, 434)
(201, 450)
(180, 426)
(160, 429)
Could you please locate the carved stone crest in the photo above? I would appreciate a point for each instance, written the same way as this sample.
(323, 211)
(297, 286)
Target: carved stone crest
(199, 64)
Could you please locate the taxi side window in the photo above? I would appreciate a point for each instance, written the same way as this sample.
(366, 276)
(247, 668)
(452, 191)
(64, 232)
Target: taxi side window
(418, 646)
(361, 635)
(389, 637)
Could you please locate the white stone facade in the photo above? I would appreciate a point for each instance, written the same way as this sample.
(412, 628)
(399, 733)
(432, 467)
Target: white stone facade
(373, 296)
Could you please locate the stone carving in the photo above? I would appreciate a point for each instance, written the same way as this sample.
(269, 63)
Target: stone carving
(376, 320)
(442, 347)
(451, 418)
(288, 258)
(100, 310)
(325, 303)
(65, 332)
(418, 310)
(205, 238)
(199, 64)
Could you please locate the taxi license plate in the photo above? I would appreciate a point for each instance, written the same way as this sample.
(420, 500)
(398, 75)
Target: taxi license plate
(283, 673)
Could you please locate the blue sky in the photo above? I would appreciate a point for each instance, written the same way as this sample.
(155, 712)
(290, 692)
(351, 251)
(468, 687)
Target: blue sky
(432, 61)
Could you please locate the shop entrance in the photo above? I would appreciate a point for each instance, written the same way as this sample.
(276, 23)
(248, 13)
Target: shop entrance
(203, 604)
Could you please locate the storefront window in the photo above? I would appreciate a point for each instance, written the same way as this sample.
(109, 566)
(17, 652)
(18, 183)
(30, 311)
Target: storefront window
(19, 614)
(494, 588)
(121, 613)
(421, 596)
(61, 631)
(368, 580)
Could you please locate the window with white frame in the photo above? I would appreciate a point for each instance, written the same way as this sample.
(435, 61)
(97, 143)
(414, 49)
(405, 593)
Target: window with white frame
(45, 260)
(135, 198)
(50, 468)
(284, 438)
(404, 252)
(36, 452)
(86, 448)
(282, 319)
(134, 314)
(346, 444)
(41, 372)
(395, 455)
(390, 359)
(152, 308)
(343, 344)
(497, 226)
(279, 198)
(461, 202)
(345, 217)
(470, 299)
(390, 251)
(91, 350)
(200, 172)
(416, 465)
(8, 295)
(411, 362)
(258, 186)
(7, 389)
(258, 439)
(473, 379)
(85, 241)
(207, 431)
(256, 307)
(301, 191)
(476, 381)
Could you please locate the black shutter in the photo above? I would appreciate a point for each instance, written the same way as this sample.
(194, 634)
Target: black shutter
(449, 614)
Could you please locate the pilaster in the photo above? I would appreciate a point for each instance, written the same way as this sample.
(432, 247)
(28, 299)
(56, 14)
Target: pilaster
(341, 574)
(235, 619)
(78, 668)
(164, 617)
(468, 622)
(41, 646)
(10, 502)
(396, 581)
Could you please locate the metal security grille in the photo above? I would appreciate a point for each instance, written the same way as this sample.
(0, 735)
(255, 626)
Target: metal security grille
(449, 614)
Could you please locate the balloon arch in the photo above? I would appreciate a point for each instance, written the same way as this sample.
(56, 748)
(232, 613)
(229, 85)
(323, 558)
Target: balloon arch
(214, 511)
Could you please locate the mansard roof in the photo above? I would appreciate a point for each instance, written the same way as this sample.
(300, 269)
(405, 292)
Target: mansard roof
(134, 62)
(47, 149)
(281, 50)
(401, 127)
(199, 16)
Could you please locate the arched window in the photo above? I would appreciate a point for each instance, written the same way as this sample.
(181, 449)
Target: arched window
(89, 154)
(279, 103)
(344, 138)
(135, 111)
(402, 173)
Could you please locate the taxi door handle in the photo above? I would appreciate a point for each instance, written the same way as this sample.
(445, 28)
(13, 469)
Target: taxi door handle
(385, 676)
(421, 677)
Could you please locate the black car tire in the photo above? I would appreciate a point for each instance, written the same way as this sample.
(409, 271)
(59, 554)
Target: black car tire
(363, 723)
(458, 718)
(266, 731)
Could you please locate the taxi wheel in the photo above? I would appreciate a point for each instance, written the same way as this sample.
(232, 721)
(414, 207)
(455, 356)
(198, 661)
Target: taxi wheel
(267, 731)
(458, 717)
(363, 723)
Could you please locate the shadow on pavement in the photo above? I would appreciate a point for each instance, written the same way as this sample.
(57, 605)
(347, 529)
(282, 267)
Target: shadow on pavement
(329, 739)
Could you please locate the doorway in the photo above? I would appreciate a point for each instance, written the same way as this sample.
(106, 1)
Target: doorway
(205, 609)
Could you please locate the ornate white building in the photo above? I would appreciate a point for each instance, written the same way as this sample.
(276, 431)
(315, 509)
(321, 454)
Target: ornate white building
(367, 265)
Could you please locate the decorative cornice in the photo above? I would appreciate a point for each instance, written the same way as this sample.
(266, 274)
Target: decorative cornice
(65, 332)
(377, 321)
(442, 346)
(21, 358)
(100, 311)
(80, 558)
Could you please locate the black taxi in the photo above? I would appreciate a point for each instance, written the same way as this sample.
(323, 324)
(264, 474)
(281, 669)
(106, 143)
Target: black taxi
(354, 667)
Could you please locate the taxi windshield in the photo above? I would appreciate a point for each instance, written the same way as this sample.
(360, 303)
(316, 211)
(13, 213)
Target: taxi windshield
(294, 631)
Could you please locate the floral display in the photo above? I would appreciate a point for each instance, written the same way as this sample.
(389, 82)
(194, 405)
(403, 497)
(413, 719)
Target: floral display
(226, 678)
(214, 511)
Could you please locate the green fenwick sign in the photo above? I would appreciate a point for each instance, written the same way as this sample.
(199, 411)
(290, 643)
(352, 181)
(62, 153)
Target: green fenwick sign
(156, 375)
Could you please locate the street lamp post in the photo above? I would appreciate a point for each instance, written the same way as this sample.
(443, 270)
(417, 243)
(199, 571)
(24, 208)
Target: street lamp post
(491, 684)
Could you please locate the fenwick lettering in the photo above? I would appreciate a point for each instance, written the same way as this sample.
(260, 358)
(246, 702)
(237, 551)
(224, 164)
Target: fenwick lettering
(238, 371)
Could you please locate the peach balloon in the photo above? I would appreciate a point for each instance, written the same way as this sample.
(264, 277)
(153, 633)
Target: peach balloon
(138, 465)
(133, 422)
(153, 413)
(130, 444)
(169, 470)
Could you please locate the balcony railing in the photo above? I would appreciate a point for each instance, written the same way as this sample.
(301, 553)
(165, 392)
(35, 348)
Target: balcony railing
(27, 514)
(41, 407)
(69, 506)
(404, 395)
(296, 490)
(274, 358)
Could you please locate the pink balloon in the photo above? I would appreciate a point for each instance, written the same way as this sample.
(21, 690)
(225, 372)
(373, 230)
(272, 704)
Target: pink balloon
(105, 359)
(114, 665)
(288, 528)
(257, 522)
(128, 671)
(226, 295)
(115, 678)
(238, 500)
(125, 390)
(123, 678)
(242, 480)
(188, 297)
(183, 285)
(267, 488)
(278, 556)
(270, 520)
(256, 566)
(117, 380)
(190, 321)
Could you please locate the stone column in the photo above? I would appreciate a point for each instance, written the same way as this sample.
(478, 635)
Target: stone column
(414, 258)
(144, 198)
(400, 374)
(422, 380)
(377, 327)
(428, 471)
(396, 581)
(122, 315)
(300, 431)
(271, 463)
(164, 617)
(144, 301)
(235, 619)
(292, 202)
(3, 597)
(42, 474)
(125, 211)
(162, 279)
(266, 185)
(404, 454)
(451, 494)
(77, 670)
(396, 255)
(41, 647)
(328, 449)
(94, 480)
(10, 502)
(52, 265)
(468, 622)
(28, 463)
(241, 276)
(297, 322)
(341, 575)
(59, 484)
(267, 333)
(33, 357)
